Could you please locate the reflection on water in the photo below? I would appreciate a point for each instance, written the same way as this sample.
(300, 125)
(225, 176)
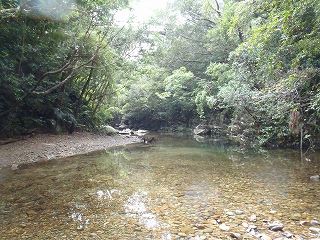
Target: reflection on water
(179, 188)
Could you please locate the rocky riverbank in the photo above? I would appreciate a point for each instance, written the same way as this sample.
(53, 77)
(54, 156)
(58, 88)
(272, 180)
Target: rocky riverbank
(45, 147)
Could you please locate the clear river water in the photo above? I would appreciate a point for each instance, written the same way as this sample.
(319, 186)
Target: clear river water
(177, 188)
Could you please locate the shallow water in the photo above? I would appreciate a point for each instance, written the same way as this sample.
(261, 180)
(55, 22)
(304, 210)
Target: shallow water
(177, 188)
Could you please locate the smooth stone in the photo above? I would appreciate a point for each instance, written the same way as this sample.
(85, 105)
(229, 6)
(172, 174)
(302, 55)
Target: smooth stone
(287, 234)
(296, 216)
(208, 230)
(315, 230)
(251, 228)
(314, 222)
(245, 225)
(199, 226)
(182, 234)
(235, 235)
(276, 226)
(305, 223)
(239, 212)
(264, 237)
(187, 230)
(14, 167)
(80, 228)
(253, 218)
(224, 227)
(230, 213)
(315, 178)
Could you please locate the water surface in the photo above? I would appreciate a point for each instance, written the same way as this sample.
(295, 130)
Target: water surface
(175, 189)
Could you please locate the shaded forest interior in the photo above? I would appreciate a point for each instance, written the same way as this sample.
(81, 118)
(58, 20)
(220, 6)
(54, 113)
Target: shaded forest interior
(249, 70)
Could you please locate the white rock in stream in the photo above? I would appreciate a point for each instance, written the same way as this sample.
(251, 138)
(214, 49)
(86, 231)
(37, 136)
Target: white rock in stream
(315, 178)
(230, 214)
(276, 226)
(314, 230)
(239, 212)
(14, 167)
(253, 218)
(224, 227)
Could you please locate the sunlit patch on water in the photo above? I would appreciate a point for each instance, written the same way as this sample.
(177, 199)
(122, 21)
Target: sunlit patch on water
(104, 194)
(166, 236)
(80, 219)
(136, 207)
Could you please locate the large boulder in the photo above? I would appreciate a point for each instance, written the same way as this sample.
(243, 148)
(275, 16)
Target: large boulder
(141, 132)
(126, 131)
(202, 130)
(109, 130)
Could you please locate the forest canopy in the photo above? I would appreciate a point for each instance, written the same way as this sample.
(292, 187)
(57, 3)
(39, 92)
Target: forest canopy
(248, 68)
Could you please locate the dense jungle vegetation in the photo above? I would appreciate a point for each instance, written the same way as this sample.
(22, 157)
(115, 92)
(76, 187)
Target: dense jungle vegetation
(248, 69)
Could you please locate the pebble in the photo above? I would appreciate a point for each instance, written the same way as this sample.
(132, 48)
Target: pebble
(305, 223)
(315, 178)
(182, 234)
(314, 230)
(200, 226)
(264, 237)
(187, 230)
(80, 228)
(208, 230)
(14, 167)
(245, 225)
(253, 218)
(296, 216)
(23, 225)
(287, 234)
(230, 213)
(276, 226)
(251, 227)
(224, 227)
(235, 235)
(239, 212)
(314, 223)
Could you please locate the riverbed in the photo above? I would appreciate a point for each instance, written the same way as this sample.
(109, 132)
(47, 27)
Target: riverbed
(176, 188)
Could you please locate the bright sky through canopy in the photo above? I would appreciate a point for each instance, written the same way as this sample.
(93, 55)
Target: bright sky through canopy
(141, 10)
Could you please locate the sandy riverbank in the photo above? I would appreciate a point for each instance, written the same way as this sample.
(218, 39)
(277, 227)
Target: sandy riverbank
(44, 147)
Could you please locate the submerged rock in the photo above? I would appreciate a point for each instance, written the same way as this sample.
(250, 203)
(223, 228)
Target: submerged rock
(109, 130)
(239, 212)
(305, 223)
(315, 178)
(314, 230)
(126, 131)
(276, 226)
(253, 218)
(235, 235)
(14, 167)
(224, 227)
(264, 237)
(287, 234)
(230, 214)
(208, 230)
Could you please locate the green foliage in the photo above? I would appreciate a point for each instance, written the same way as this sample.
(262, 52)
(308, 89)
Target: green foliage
(252, 62)
(56, 57)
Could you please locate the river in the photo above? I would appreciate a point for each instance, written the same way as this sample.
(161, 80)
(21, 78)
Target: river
(176, 188)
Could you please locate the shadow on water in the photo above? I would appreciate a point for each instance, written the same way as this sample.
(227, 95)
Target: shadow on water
(179, 187)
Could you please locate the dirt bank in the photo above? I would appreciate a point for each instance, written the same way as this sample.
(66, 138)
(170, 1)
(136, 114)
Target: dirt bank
(48, 146)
